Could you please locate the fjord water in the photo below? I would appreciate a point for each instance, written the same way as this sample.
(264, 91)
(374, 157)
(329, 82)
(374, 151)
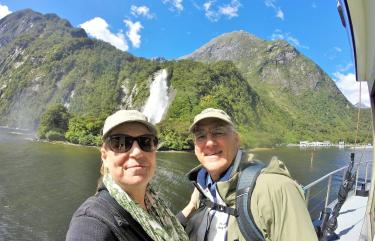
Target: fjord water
(41, 184)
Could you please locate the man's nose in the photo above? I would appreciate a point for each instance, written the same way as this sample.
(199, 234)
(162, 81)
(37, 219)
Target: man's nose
(211, 140)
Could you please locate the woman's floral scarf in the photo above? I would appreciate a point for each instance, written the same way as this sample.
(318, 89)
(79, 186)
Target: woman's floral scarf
(159, 222)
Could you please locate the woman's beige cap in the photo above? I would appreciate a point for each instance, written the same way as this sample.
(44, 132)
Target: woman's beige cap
(123, 116)
(211, 113)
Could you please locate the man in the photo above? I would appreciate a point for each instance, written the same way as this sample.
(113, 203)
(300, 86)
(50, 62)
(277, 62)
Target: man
(277, 202)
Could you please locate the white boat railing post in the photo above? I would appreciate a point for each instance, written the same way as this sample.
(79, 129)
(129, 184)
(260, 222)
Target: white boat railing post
(328, 191)
(356, 179)
(366, 173)
(311, 194)
(307, 196)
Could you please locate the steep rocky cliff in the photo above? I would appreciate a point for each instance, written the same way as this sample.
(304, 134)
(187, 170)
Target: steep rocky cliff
(44, 60)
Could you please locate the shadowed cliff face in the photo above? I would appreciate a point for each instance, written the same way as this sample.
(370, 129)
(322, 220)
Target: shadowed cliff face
(44, 60)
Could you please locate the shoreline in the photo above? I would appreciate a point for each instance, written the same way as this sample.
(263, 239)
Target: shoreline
(176, 151)
(32, 137)
(255, 149)
(64, 143)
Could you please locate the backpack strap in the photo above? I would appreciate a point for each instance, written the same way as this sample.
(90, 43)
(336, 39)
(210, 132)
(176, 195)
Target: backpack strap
(245, 186)
(221, 208)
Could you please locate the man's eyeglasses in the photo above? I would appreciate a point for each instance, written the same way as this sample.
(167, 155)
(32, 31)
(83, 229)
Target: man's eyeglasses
(121, 143)
(217, 132)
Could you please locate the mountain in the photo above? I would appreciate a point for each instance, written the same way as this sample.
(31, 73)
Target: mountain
(274, 94)
(361, 105)
(44, 60)
(287, 80)
(275, 63)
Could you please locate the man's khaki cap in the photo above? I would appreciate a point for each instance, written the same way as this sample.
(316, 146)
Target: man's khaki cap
(211, 113)
(124, 116)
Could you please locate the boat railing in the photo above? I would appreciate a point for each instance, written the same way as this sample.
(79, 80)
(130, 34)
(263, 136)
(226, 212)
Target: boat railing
(361, 170)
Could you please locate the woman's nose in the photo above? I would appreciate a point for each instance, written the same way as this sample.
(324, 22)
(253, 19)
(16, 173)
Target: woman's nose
(136, 150)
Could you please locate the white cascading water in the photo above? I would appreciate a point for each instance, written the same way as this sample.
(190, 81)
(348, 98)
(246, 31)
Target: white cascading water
(157, 102)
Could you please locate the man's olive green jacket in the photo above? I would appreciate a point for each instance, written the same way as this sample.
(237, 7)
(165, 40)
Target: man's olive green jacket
(277, 203)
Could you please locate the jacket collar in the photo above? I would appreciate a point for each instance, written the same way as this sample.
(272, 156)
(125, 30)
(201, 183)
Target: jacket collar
(227, 188)
(193, 175)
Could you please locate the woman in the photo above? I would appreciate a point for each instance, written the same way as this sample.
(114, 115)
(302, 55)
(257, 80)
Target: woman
(126, 207)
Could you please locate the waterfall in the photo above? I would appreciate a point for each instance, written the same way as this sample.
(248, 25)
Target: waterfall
(157, 102)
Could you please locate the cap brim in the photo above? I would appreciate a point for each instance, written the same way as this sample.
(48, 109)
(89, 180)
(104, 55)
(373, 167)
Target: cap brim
(191, 128)
(145, 123)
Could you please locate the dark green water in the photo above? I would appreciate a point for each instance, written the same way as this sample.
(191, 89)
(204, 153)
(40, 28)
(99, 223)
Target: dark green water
(41, 184)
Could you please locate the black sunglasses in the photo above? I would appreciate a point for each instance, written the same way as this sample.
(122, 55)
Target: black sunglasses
(121, 143)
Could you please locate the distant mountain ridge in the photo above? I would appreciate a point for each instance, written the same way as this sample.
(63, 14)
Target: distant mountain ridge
(266, 62)
(362, 106)
(274, 94)
(284, 78)
(29, 21)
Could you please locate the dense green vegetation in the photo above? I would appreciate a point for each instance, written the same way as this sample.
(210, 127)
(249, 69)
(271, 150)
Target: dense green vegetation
(54, 123)
(85, 130)
(55, 79)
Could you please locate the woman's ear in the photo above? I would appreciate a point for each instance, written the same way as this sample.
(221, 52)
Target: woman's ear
(103, 153)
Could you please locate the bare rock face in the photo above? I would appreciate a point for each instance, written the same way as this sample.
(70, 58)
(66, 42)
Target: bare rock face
(276, 63)
(229, 46)
(29, 22)
(17, 23)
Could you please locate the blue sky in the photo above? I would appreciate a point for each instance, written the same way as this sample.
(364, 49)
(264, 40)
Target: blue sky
(173, 28)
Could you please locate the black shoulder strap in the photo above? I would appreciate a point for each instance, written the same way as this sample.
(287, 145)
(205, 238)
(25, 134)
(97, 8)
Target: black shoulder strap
(218, 207)
(245, 187)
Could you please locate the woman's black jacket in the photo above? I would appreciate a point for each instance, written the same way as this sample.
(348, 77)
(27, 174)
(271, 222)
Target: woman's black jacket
(100, 217)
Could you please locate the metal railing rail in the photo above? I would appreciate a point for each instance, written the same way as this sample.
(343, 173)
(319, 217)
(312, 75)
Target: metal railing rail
(357, 166)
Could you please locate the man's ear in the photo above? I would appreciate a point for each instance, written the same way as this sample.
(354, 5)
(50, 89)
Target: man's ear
(237, 139)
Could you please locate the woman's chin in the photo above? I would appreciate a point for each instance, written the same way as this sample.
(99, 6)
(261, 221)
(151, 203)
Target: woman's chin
(136, 180)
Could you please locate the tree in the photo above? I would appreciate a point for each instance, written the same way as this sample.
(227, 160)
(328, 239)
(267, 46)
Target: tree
(55, 120)
(85, 130)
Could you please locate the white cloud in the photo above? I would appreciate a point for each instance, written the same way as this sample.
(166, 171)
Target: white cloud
(98, 28)
(133, 32)
(230, 10)
(338, 49)
(4, 10)
(207, 5)
(350, 88)
(280, 14)
(196, 5)
(141, 11)
(272, 4)
(210, 14)
(333, 53)
(227, 10)
(345, 68)
(278, 34)
(176, 5)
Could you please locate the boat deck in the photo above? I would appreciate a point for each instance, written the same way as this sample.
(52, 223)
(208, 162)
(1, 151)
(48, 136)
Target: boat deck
(351, 218)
